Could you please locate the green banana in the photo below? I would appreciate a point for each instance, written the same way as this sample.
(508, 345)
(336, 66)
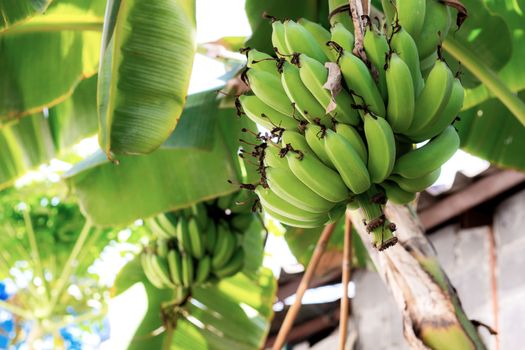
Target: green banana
(268, 88)
(162, 247)
(433, 97)
(314, 137)
(278, 205)
(299, 40)
(418, 184)
(259, 60)
(154, 226)
(159, 266)
(443, 119)
(211, 237)
(342, 17)
(381, 148)
(376, 48)
(405, 46)
(203, 269)
(200, 214)
(296, 223)
(175, 266)
(196, 240)
(272, 157)
(320, 34)
(435, 27)
(352, 136)
(241, 222)
(348, 163)
(187, 270)
(360, 81)
(224, 202)
(400, 109)
(411, 15)
(299, 94)
(148, 271)
(264, 115)
(234, 265)
(428, 158)
(183, 236)
(224, 248)
(167, 225)
(314, 75)
(395, 194)
(311, 171)
(179, 295)
(286, 185)
(342, 37)
(278, 39)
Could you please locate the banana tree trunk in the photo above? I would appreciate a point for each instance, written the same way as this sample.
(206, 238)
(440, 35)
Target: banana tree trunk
(432, 314)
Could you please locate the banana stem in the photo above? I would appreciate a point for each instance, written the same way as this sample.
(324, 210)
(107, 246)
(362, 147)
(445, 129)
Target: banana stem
(303, 286)
(489, 78)
(347, 266)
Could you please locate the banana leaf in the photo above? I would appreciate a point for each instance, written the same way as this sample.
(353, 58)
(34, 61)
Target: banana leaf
(147, 56)
(14, 11)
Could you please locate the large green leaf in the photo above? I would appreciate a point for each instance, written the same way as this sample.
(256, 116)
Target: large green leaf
(13, 11)
(147, 56)
(44, 58)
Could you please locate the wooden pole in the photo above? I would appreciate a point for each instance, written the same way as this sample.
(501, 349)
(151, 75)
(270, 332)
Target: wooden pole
(346, 267)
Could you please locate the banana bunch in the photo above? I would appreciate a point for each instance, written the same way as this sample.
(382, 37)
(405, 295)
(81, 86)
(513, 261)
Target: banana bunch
(197, 245)
(355, 146)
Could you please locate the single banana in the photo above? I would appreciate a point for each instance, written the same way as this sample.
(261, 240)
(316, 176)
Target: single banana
(183, 235)
(299, 94)
(299, 40)
(224, 248)
(352, 136)
(180, 294)
(418, 184)
(234, 265)
(272, 157)
(264, 115)
(160, 268)
(154, 226)
(320, 34)
(203, 270)
(287, 186)
(435, 27)
(348, 163)
(268, 88)
(405, 46)
(211, 237)
(311, 171)
(314, 137)
(342, 37)
(400, 109)
(256, 59)
(360, 81)
(148, 271)
(376, 48)
(200, 213)
(162, 247)
(441, 120)
(270, 200)
(225, 202)
(196, 239)
(411, 15)
(175, 266)
(428, 158)
(278, 39)
(241, 222)
(187, 270)
(296, 223)
(381, 148)
(314, 75)
(168, 223)
(433, 98)
(396, 194)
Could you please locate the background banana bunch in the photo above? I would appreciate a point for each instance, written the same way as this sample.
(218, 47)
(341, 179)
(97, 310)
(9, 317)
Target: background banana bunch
(198, 245)
(352, 144)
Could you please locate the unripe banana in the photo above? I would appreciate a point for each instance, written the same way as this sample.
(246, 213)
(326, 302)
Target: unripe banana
(155, 227)
(203, 269)
(278, 38)
(272, 157)
(187, 270)
(405, 46)
(224, 248)
(314, 137)
(428, 158)
(162, 247)
(270, 200)
(264, 115)
(259, 60)
(342, 37)
(411, 15)
(304, 101)
(299, 40)
(179, 295)
(359, 80)
(234, 265)
(241, 222)
(225, 202)
(211, 237)
(175, 266)
(418, 184)
(395, 194)
(201, 215)
(286, 185)
(376, 48)
(352, 136)
(168, 223)
(433, 97)
(447, 115)
(148, 271)
(348, 163)
(268, 88)
(320, 34)
(400, 109)
(435, 27)
(314, 75)
(342, 17)
(381, 148)
(196, 239)
(160, 268)
(296, 223)
(183, 236)
(311, 171)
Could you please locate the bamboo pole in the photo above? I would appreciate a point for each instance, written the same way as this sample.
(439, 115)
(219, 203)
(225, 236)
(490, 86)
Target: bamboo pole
(346, 267)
